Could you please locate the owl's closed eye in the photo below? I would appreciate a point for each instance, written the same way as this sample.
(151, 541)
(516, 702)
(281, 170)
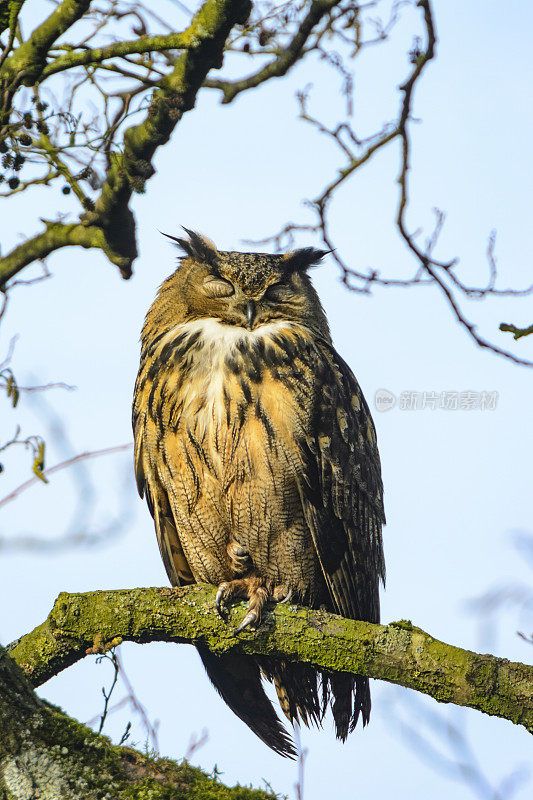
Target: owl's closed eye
(245, 289)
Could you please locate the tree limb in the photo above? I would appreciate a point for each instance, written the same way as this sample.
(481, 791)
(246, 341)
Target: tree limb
(45, 753)
(398, 653)
(28, 61)
(56, 236)
(144, 44)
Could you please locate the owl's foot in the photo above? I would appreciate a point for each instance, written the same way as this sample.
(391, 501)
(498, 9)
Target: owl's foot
(253, 588)
(239, 558)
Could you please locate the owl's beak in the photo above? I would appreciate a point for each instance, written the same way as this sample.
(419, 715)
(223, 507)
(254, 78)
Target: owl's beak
(250, 313)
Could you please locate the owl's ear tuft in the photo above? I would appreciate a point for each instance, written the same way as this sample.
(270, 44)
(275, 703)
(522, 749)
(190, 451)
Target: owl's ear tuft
(299, 260)
(196, 246)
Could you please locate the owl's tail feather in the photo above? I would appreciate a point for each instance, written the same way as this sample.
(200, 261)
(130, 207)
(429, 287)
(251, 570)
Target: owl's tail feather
(350, 698)
(297, 686)
(297, 689)
(238, 681)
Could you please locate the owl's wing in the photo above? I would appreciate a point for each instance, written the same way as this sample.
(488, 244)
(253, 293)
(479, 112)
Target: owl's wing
(150, 487)
(342, 491)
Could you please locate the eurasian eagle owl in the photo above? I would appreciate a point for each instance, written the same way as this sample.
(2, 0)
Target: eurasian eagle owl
(256, 452)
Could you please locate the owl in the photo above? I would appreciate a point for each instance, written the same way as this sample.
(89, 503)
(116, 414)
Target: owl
(256, 452)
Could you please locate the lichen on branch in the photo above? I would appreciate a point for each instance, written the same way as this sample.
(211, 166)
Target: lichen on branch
(398, 653)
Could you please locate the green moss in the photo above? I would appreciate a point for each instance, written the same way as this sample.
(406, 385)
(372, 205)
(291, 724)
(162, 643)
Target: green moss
(404, 624)
(65, 758)
(9, 10)
(400, 652)
(184, 782)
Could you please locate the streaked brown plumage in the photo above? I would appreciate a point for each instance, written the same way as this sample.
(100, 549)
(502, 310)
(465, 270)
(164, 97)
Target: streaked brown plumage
(257, 454)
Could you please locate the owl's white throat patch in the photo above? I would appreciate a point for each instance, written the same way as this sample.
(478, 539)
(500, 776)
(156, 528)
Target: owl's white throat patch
(208, 372)
(219, 336)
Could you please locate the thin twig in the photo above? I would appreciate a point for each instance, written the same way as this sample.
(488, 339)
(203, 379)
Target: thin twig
(63, 465)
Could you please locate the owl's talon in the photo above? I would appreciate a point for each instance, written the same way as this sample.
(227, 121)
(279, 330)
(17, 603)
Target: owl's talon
(219, 601)
(282, 593)
(253, 588)
(250, 619)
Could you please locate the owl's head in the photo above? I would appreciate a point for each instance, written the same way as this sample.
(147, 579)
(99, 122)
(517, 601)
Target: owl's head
(243, 289)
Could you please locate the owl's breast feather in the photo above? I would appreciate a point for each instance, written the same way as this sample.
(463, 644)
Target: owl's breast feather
(227, 370)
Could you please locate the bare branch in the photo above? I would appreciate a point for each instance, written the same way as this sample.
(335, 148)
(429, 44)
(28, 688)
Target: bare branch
(358, 151)
(280, 65)
(430, 266)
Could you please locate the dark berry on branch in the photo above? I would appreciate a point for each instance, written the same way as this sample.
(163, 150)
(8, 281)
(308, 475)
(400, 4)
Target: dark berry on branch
(41, 106)
(7, 160)
(18, 161)
(13, 183)
(264, 36)
(42, 127)
(66, 189)
(25, 139)
(27, 119)
(3, 147)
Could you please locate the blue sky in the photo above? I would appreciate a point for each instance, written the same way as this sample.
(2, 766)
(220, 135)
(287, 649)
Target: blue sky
(457, 482)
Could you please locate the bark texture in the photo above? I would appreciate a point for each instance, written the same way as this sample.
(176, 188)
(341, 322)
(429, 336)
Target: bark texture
(399, 653)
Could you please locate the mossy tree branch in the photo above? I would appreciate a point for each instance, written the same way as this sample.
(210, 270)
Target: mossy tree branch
(45, 753)
(398, 653)
(95, 55)
(28, 61)
(111, 224)
(175, 96)
(55, 236)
